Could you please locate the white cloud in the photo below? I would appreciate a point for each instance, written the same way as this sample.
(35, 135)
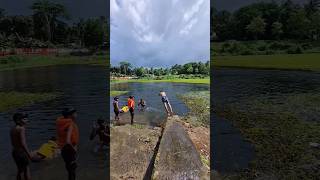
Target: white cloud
(159, 33)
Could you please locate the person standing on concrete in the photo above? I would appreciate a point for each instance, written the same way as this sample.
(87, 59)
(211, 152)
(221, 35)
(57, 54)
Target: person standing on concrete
(131, 107)
(116, 108)
(20, 151)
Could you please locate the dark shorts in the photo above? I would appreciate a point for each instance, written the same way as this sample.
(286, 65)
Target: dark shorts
(21, 159)
(116, 112)
(131, 111)
(165, 99)
(69, 156)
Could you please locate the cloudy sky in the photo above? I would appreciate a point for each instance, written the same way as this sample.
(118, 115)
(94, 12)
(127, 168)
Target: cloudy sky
(159, 33)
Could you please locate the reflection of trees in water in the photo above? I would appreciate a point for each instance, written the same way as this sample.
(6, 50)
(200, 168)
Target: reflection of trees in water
(120, 86)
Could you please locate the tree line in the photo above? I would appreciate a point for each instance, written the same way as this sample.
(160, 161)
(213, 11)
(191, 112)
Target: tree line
(48, 27)
(193, 68)
(268, 21)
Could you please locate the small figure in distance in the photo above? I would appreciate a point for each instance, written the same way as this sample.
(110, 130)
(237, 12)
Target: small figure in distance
(166, 103)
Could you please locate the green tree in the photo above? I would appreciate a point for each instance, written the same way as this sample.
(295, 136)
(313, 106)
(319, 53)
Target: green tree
(46, 14)
(298, 25)
(93, 33)
(277, 30)
(312, 7)
(202, 68)
(256, 27)
(140, 71)
(188, 69)
(315, 26)
(125, 67)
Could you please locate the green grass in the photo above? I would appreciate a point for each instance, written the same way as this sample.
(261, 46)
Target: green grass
(290, 62)
(21, 62)
(280, 128)
(117, 93)
(191, 81)
(263, 47)
(12, 100)
(199, 106)
(138, 126)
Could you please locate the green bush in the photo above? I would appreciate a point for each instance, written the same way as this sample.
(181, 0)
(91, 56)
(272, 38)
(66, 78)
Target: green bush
(247, 52)
(270, 52)
(4, 61)
(11, 60)
(295, 50)
(262, 48)
(279, 46)
(306, 46)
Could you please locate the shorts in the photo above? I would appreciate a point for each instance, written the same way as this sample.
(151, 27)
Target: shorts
(165, 99)
(69, 155)
(131, 111)
(116, 112)
(21, 159)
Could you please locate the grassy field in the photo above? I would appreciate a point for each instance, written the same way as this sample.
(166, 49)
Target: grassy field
(20, 62)
(283, 61)
(281, 130)
(199, 106)
(264, 47)
(191, 81)
(117, 93)
(11, 100)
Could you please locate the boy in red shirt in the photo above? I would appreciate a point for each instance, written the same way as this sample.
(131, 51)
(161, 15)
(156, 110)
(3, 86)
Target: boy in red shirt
(131, 107)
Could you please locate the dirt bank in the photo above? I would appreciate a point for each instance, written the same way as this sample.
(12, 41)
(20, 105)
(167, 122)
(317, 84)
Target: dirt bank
(131, 150)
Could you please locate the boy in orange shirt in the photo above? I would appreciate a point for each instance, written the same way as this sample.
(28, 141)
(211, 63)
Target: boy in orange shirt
(131, 107)
(68, 140)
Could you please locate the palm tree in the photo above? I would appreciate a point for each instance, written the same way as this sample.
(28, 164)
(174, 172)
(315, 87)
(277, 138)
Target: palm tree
(48, 13)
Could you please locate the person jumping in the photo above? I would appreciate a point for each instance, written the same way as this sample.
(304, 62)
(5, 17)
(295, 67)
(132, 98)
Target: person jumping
(166, 103)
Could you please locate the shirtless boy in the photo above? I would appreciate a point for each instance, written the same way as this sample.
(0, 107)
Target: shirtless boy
(20, 151)
(166, 103)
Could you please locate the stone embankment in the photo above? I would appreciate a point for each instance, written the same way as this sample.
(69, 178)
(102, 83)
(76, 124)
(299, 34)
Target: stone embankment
(138, 152)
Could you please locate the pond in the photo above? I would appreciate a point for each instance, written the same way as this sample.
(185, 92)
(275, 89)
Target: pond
(82, 87)
(154, 113)
(232, 153)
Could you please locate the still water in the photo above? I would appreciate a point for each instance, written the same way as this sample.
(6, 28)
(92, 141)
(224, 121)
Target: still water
(231, 152)
(154, 112)
(82, 87)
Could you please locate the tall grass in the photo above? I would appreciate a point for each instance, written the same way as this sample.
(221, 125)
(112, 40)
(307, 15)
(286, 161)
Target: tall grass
(11, 100)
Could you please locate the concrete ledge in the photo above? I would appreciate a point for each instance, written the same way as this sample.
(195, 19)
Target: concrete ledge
(177, 157)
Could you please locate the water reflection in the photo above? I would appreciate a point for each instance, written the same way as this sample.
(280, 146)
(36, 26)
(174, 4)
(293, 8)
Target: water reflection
(82, 87)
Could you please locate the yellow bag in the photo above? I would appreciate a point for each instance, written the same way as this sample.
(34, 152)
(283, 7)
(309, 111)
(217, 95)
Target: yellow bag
(48, 149)
(125, 109)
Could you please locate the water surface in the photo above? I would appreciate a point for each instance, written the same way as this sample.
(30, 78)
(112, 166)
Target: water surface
(155, 112)
(82, 87)
(231, 152)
